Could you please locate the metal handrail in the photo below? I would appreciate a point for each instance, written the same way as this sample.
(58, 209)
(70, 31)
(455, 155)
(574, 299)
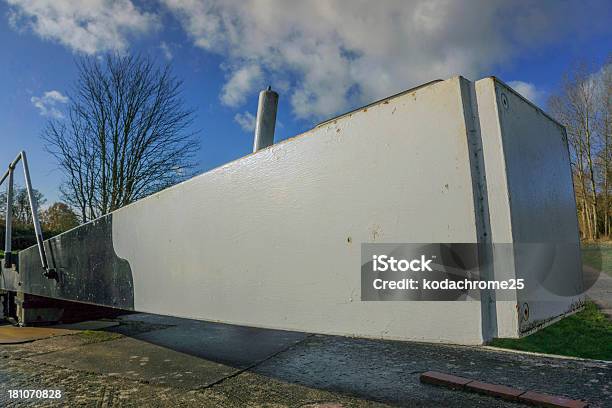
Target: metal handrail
(48, 272)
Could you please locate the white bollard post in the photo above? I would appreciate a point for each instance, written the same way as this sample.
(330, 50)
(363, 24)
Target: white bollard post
(266, 119)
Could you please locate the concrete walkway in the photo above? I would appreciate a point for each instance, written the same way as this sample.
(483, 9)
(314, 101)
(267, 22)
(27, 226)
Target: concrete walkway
(161, 361)
(599, 289)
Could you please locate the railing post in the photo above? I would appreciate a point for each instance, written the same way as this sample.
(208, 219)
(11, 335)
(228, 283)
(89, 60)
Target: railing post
(34, 209)
(8, 230)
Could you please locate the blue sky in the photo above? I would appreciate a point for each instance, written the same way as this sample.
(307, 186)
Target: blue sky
(323, 57)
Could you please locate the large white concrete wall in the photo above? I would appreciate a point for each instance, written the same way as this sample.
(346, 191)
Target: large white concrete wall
(273, 239)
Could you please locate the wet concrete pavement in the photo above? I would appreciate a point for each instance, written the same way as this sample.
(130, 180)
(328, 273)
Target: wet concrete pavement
(599, 290)
(162, 361)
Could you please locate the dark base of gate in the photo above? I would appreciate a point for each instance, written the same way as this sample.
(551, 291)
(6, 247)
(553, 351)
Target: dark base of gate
(30, 310)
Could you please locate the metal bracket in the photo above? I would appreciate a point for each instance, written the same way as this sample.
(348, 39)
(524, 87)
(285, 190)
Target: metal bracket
(50, 273)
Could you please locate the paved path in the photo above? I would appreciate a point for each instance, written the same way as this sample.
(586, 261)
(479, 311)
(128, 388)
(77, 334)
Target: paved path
(600, 289)
(161, 361)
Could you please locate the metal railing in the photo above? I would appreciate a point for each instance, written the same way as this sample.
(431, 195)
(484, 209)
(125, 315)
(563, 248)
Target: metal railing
(8, 261)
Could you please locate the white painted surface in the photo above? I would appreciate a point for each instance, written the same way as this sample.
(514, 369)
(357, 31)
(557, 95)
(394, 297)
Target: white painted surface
(542, 205)
(396, 172)
(531, 202)
(497, 197)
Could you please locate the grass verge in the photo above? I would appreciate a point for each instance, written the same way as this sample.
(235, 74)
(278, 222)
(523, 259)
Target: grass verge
(587, 334)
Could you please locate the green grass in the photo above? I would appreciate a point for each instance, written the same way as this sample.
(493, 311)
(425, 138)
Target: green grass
(587, 334)
(598, 256)
(95, 336)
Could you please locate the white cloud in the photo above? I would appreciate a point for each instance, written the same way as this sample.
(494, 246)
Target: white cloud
(49, 104)
(331, 55)
(165, 49)
(529, 91)
(89, 27)
(246, 120)
(324, 56)
(242, 81)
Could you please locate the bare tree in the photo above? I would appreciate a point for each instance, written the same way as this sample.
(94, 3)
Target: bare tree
(126, 134)
(583, 107)
(605, 157)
